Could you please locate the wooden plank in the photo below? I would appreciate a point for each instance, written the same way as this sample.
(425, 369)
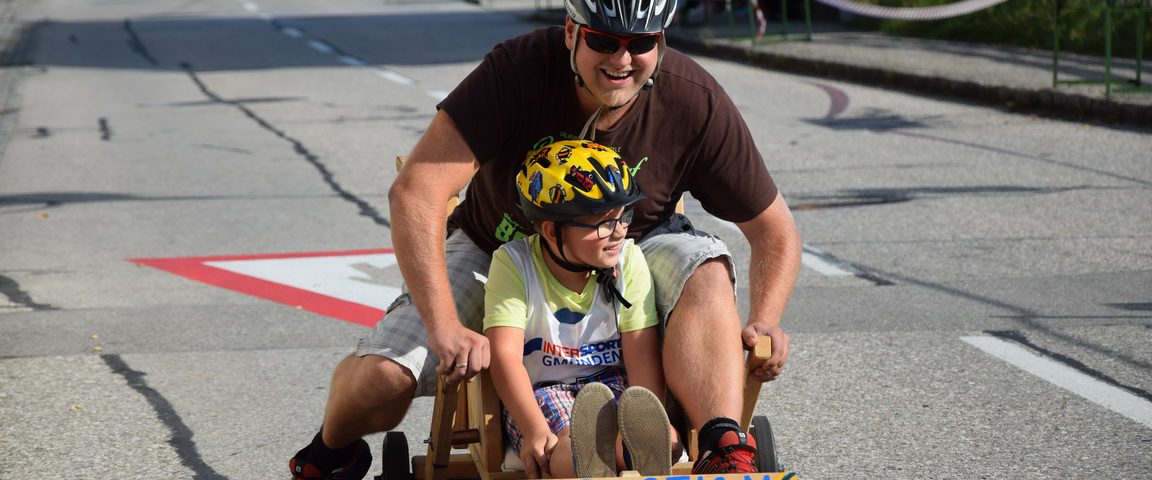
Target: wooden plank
(485, 417)
(756, 358)
(460, 465)
(440, 445)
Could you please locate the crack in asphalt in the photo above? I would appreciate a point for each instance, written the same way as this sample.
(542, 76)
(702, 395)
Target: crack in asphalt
(10, 289)
(137, 45)
(1026, 318)
(181, 439)
(365, 208)
(1019, 337)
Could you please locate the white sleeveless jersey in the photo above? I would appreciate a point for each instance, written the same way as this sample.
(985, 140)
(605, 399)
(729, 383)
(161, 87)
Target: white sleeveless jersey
(572, 345)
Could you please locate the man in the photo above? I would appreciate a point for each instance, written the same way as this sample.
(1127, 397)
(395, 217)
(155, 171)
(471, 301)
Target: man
(609, 71)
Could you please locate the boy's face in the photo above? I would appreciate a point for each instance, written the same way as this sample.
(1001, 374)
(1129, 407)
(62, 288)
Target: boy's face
(583, 245)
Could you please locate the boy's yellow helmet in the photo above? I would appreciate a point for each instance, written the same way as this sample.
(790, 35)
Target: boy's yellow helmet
(574, 178)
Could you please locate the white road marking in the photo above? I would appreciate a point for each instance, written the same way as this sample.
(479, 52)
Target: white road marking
(395, 77)
(320, 46)
(334, 276)
(825, 263)
(812, 257)
(1068, 378)
(345, 59)
(439, 95)
(349, 60)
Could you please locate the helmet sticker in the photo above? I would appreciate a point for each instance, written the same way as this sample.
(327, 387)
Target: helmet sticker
(580, 179)
(612, 175)
(541, 158)
(535, 185)
(594, 146)
(556, 194)
(564, 154)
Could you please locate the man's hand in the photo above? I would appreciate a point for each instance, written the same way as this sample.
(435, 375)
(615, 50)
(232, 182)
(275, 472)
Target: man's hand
(775, 364)
(462, 352)
(536, 455)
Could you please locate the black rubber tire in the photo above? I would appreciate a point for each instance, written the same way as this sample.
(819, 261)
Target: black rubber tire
(761, 431)
(394, 458)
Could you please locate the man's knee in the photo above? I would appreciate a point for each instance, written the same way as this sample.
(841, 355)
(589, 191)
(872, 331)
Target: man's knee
(714, 270)
(711, 281)
(378, 384)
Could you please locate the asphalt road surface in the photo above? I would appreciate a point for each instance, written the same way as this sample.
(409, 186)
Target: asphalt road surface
(976, 300)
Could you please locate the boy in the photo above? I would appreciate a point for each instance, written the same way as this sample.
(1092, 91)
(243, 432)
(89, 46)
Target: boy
(571, 309)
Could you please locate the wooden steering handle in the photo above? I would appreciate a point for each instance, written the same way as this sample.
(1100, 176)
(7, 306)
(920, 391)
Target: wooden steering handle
(756, 358)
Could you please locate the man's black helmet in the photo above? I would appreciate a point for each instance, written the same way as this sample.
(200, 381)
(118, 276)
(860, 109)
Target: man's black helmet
(625, 17)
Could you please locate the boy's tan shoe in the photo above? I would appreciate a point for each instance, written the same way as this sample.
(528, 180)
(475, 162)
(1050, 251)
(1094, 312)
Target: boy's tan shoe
(646, 431)
(594, 431)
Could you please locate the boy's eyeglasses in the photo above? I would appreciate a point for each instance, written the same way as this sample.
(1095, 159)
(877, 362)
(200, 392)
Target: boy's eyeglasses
(606, 228)
(607, 43)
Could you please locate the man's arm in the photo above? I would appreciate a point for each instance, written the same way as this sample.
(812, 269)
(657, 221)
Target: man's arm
(772, 275)
(439, 166)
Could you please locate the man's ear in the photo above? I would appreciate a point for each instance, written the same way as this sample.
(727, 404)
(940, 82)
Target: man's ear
(569, 33)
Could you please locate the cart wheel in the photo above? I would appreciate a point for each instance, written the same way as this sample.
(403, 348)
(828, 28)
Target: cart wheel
(761, 430)
(394, 457)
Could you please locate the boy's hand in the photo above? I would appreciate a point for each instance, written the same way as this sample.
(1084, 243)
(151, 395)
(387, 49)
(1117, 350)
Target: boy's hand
(462, 352)
(536, 455)
(775, 364)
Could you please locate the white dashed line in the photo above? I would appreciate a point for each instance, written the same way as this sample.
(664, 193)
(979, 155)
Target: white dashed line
(349, 60)
(825, 263)
(324, 47)
(1068, 378)
(395, 77)
(813, 258)
(320, 46)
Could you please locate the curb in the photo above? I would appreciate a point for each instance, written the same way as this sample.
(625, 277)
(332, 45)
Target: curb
(1048, 102)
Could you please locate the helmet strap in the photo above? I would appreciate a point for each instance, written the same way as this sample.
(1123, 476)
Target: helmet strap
(589, 130)
(605, 277)
(563, 262)
(572, 58)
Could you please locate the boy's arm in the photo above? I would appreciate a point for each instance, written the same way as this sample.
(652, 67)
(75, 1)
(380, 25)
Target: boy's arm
(642, 359)
(639, 335)
(515, 390)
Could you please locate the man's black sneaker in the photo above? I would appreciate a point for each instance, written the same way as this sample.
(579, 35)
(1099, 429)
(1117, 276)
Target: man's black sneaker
(355, 469)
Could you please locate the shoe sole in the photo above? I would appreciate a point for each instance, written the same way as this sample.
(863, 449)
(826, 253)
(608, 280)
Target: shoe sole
(645, 428)
(593, 429)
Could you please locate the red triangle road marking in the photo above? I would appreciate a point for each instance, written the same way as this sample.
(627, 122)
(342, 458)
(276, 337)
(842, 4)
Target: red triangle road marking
(335, 284)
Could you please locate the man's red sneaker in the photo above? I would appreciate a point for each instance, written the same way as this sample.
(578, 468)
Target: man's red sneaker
(736, 453)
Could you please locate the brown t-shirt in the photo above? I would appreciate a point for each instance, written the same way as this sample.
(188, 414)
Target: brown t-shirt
(683, 134)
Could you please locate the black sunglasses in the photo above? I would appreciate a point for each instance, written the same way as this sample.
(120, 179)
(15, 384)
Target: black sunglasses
(606, 228)
(607, 43)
